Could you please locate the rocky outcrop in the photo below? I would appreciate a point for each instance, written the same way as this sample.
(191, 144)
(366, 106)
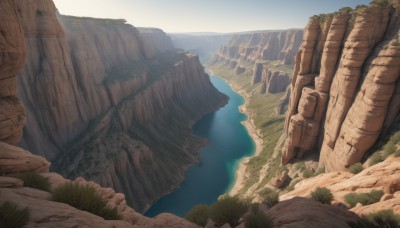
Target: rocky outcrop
(343, 93)
(274, 81)
(382, 176)
(12, 57)
(46, 213)
(101, 100)
(157, 39)
(261, 46)
(302, 212)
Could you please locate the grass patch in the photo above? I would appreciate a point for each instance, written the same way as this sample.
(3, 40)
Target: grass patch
(385, 218)
(376, 158)
(34, 180)
(322, 195)
(85, 198)
(356, 168)
(258, 220)
(269, 197)
(11, 216)
(364, 198)
(199, 214)
(228, 209)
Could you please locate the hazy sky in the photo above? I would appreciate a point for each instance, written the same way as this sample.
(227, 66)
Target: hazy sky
(206, 15)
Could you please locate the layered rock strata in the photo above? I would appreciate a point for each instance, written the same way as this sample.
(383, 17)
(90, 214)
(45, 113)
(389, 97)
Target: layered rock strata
(274, 81)
(261, 46)
(344, 88)
(107, 104)
(157, 39)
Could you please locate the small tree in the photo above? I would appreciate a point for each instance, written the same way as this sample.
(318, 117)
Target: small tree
(199, 214)
(228, 209)
(322, 195)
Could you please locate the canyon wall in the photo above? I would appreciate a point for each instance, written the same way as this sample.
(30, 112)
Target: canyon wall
(109, 103)
(345, 85)
(157, 39)
(261, 46)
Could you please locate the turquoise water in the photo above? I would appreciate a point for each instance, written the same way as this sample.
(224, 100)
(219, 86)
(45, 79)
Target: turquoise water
(228, 142)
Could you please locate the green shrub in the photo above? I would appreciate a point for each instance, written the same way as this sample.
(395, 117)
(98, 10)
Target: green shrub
(356, 168)
(11, 216)
(258, 220)
(34, 180)
(364, 198)
(269, 197)
(307, 173)
(292, 184)
(322, 195)
(228, 209)
(199, 214)
(376, 158)
(385, 218)
(320, 170)
(397, 153)
(85, 198)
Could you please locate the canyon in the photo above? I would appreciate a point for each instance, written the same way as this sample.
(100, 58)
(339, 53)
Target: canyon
(103, 104)
(100, 98)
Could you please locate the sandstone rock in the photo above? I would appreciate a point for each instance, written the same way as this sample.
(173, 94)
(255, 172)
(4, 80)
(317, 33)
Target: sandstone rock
(157, 39)
(255, 47)
(12, 58)
(16, 160)
(382, 176)
(257, 73)
(6, 182)
(344, 86)
(113, 97)
(302, 212)
(279, 181)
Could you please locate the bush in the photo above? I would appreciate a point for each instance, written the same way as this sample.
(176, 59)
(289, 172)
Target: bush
(85, 198)
(34, 180)
(322, 195)
(307, 173)
(228, 209)
(11, 216)
(356, 168)
(364, 198)
(385, 218)
(397, 153)
(199, 214)
(258, 220)
(376, 158)
(269, 197)
(254, 208)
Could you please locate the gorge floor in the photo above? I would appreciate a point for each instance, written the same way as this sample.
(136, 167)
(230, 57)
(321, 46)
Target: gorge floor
(228, 143)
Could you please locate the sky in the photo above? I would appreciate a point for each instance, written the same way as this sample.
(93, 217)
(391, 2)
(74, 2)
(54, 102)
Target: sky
(179, 16)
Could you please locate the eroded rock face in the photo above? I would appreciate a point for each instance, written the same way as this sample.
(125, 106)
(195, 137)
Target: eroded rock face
(12, 58)
(382, 176)
(157, 39)
(343, 93)
(257, 47)
(101, 100)
(273, 81)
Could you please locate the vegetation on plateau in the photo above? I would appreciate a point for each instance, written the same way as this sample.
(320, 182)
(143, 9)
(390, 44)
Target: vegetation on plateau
(34, 180)
(85, 198)
(364, 198)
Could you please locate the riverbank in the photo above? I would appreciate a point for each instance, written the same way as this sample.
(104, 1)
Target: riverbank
(241, 175)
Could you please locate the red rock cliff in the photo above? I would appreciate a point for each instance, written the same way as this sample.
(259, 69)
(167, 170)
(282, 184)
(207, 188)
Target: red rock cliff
(105, 104)
(345, 87)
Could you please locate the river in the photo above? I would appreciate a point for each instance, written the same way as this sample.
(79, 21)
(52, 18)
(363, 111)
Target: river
(228, 143)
